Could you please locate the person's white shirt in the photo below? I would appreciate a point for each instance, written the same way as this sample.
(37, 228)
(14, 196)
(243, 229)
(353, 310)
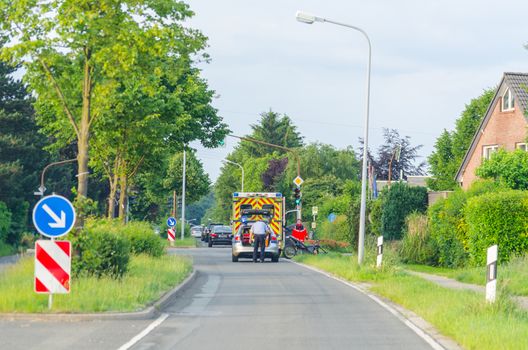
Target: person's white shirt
(260, 228)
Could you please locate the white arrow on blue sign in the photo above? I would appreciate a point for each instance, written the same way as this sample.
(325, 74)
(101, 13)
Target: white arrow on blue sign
(53, 216)
(171, 222)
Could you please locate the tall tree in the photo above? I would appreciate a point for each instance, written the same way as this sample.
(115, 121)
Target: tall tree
(21, 154)
(80, 55)
(275, 129)
(387, 155)
(451, 147)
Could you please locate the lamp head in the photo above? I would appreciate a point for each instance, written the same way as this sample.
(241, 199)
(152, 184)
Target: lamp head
(305, 17)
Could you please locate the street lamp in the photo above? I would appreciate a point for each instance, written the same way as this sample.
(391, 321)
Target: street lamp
(241, 168)
(309, 19)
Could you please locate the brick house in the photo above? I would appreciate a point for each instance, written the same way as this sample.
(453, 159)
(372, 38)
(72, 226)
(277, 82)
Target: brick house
(503, 126)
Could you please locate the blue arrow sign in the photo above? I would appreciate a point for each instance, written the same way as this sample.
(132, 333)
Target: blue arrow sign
(171, 222)
(53, 216)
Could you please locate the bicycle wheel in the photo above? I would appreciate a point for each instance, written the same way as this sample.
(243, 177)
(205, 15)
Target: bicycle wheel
(289, 251)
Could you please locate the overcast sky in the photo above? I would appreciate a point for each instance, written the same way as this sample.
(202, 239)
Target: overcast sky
(429, 58)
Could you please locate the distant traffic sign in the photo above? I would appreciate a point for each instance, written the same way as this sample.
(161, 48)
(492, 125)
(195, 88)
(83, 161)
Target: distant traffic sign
(171, 222)
(331, 217)
(53, 216)
(298, 181)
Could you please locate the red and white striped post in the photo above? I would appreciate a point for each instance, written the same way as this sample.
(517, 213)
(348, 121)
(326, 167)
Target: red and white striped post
(491, 274)
(52, 268)
(171, 235)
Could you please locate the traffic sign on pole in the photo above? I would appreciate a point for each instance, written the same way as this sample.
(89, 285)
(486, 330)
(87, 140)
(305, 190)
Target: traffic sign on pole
(52, 266)
(53, 216)
(298, 181)
(171, 222)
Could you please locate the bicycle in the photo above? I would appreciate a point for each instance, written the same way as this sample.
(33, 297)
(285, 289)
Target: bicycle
(293, 245)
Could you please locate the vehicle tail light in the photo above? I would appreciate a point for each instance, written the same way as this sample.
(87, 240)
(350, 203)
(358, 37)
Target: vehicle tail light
(274, 238)
(213, 235)
(237, 238)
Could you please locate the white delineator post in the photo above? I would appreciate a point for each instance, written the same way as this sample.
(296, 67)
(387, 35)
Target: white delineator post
(379, 258)
(491, 274)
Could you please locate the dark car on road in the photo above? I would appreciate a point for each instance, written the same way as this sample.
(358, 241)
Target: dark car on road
(220, 235)
(207, 230)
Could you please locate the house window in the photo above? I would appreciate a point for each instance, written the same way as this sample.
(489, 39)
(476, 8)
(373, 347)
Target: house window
(522, 146)
(487, 151)
(507, 101)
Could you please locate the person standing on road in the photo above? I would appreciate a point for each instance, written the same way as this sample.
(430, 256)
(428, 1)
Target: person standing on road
(259, 230)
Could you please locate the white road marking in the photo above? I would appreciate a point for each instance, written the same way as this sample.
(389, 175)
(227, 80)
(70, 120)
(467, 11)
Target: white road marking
(426, 337)
(146, 331)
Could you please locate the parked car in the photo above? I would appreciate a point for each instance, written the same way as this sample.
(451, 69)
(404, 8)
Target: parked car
(196, 231)
(220, 235)
(242, 247)
(207, 230)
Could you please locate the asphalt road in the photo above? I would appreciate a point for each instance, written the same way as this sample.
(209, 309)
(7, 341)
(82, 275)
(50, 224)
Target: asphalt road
(237, 306)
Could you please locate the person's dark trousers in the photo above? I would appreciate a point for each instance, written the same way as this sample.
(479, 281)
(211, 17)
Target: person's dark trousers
(260, 240)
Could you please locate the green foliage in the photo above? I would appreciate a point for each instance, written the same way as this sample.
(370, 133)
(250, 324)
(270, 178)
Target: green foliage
(451, 147)
(101, 253)
(448, 225)
(5, 221)
(142, 238)
(442, 165)
(508, 168)
(399, 201)
(497, 218)
(337, 230)
(375, 216)
(275, 129)
(416, 246)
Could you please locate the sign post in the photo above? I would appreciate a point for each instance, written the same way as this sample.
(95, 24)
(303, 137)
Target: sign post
(491, 274)
(53, 217)
(171, 232)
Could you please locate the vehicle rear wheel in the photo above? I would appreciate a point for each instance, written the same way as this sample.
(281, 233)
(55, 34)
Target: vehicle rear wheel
(210, 243)
(275, 258)
(289, 251)
(234, 258)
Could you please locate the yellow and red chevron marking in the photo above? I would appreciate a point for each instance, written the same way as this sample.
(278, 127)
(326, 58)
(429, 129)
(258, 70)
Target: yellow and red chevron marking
(52, 266)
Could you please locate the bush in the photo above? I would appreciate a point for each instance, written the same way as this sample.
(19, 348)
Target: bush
(101, 253)
(398, 202)
(142, 238)
(448, 226)
(417, 246)
(497, 218)
(334, 231)
(5, 221)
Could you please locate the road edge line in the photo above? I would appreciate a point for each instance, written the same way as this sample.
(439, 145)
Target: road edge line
(428, 338)
(144, 332)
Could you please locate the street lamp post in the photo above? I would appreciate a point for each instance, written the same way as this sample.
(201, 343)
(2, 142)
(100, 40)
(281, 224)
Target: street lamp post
(309, 19)
(241, 168)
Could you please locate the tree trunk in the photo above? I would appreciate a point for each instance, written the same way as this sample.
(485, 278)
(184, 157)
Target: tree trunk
(84, 129)
(123, 198)
(113, 180)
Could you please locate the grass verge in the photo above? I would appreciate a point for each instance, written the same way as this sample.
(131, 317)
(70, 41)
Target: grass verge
(187, 242)
(512, 277)
(462, 315)
(147, 280)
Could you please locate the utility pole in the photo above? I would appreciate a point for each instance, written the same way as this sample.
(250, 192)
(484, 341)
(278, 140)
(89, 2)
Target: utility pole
(183, 195)
(174, 204)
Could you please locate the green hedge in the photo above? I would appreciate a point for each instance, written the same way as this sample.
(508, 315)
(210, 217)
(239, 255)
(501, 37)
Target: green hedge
(101, 253)
(398, 202)
(448, 227)
(142, 238)
(497, 218)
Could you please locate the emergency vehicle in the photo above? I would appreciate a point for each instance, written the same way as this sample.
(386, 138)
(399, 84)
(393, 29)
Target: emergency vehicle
(254, 206)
